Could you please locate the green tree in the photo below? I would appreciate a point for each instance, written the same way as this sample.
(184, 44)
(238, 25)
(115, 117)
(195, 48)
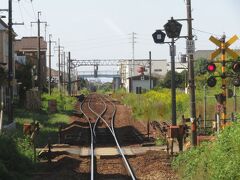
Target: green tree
(24, 76)
(179, 80)
(200, 66)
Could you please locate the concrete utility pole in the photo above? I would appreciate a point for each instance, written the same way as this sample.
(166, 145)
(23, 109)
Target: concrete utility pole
(39, 67)
(69, 73)
(10, 63)
(64, 71)
(50, 62)
(59, 65)
(191, 77)
(133, 57)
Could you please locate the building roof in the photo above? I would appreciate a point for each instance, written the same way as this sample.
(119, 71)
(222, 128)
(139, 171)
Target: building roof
(141, 77)
(3, 25)
(205, 54)
(30, 44)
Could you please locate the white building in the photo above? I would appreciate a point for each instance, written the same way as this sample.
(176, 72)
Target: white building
(129, 68)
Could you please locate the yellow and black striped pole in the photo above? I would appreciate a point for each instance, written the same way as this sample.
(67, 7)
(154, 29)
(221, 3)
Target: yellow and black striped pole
(223, 49)
(224, 84)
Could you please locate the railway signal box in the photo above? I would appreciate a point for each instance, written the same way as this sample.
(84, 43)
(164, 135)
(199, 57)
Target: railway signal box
(159, 37)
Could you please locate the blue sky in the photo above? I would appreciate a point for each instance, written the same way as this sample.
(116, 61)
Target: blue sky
(101, 28)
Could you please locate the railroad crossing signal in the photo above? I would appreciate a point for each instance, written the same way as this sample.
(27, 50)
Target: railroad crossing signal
(224, 46)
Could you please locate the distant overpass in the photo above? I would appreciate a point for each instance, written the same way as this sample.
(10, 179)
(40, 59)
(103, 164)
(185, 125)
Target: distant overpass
(100, 74)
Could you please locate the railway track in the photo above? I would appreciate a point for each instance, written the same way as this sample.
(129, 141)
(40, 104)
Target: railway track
(98, 117)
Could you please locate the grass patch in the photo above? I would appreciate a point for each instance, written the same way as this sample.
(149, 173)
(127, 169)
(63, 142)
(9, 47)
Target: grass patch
(15, 157)
(160, 141)
(49, 124)
(218, 160)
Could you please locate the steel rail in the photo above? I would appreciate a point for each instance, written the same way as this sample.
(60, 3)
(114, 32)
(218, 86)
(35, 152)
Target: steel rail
(115, 138)
(92, 140)
(98, 117)
(119, 147)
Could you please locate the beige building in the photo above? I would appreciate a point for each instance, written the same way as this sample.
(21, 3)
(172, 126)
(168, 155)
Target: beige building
(26, 50)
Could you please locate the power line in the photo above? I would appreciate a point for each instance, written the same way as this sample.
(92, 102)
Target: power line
(20, 10)
(206, 32)
(101, 46)
(34, 12)
(27, 12)
(100, 39)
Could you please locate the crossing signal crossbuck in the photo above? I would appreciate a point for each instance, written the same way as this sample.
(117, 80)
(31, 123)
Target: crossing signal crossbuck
(233, 72)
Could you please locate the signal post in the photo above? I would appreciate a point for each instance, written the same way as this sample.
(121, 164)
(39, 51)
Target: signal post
(223, 49)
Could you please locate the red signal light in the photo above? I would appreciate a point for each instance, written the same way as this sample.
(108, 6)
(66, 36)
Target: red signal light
(211, 67)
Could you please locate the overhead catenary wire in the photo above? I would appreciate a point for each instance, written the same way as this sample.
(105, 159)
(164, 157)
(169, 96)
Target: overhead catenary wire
(206, 32)
(34, 12)
(21, 13)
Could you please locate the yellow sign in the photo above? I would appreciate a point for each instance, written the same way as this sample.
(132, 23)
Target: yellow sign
(227, 44)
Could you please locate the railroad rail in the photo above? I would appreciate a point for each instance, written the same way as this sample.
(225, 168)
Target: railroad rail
(92, 140)
(109, 125)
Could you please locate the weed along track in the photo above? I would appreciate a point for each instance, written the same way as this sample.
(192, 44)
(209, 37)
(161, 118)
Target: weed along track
(102, 142)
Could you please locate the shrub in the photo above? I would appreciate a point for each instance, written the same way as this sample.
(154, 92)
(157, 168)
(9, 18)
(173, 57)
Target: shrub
(156, 104)
(63, 102)
(14, 162)
(218, 160)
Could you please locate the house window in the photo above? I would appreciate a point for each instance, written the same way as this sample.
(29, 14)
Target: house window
(158, 70)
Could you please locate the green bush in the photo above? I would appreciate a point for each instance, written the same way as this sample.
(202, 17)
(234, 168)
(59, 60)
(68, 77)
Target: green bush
(218, 160)
(14, 160)
(156, 105)
(160, 141)
(64, 103)
(84, 91)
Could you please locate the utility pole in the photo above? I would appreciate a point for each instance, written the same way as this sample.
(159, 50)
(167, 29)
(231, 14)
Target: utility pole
(45, 31)
(59, 49)
(50, 62)
(64, 70)
(191, 77)
(150, 70)
(39, 65)
(133, 57)
(69, 73)
(10, 63)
